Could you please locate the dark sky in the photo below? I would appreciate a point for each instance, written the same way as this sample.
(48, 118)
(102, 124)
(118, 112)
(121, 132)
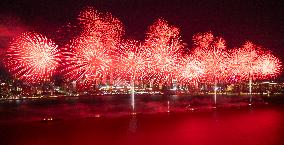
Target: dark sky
(235, 20)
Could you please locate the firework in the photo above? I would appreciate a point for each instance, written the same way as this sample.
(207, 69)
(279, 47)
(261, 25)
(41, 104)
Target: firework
(97, 52)
(163, 47)
(32, 57)
(252, 61)
(211, 53)
(132, 61)
(268, 65)
(244, 60)
(203, 40)
(102, 26)
(191, 69)
(89, 57)
(86, 60)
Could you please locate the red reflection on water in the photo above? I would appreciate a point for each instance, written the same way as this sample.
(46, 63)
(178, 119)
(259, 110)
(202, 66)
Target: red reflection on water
(255, 127)
(248, 128)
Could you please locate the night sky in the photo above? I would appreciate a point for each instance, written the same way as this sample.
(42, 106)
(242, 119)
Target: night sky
(236, 21)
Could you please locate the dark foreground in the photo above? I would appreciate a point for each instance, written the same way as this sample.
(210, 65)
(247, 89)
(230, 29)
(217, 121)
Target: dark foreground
(263, 125)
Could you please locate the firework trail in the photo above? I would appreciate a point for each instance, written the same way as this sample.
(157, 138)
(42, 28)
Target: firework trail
(132, 65)
(211, 52)
(32, 57)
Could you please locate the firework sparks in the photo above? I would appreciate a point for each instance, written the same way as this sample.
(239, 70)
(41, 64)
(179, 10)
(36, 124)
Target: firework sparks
(32, 57)
(132, 65)
(132, 61)
(269, 65)
(101, 26)
(212, 53)
(251, 61)
(191, 69)
(244, 61)
(89, 57)
(163, 46)
(86, 60)
(213, 56)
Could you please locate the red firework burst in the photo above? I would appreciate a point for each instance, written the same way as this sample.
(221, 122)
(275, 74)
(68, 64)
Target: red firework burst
(86, 60)
(102, 26)
(203, 40)
(191, 69)
(269, 65)
(163, 47)
(243, 61)
(132, 62)
(32, 57)
(253, 61)
(211, 52)
(89, 56)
